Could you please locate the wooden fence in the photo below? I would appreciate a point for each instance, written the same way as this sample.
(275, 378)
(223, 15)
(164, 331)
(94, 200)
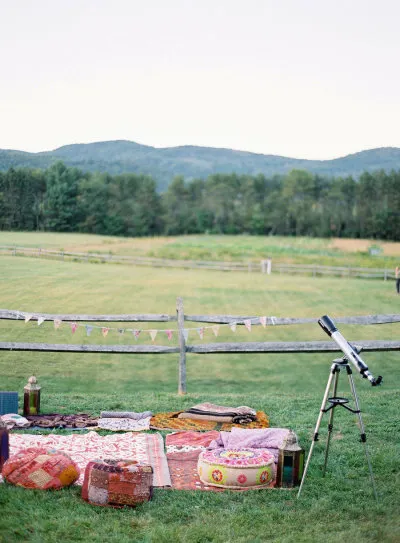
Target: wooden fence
(180, 318)
(264, 266)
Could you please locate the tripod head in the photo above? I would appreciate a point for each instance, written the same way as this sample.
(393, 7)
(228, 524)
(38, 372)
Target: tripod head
(351, 353)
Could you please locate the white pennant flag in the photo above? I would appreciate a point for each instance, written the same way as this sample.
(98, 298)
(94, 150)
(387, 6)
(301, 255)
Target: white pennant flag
(57, 323)
(263, 321)
(28, 318)
(40, 320)
(153, 334)
(273, 320)
(185, 334)
(215, 329)
(247, 324)
(233, 326)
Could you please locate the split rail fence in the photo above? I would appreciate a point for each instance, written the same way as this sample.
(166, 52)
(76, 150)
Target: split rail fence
(264, 266)
(206, 348)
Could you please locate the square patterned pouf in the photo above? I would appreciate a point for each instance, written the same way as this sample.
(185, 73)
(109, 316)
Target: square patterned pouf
(8, 402)
(116, 483)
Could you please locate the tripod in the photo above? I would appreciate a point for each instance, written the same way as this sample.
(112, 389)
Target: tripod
(335, 401)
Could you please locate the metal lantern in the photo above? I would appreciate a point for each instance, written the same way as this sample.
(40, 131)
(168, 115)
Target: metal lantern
(4, 444)
(32, 397)
(290, 462)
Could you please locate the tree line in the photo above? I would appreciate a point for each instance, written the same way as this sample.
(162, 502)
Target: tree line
(65, 199)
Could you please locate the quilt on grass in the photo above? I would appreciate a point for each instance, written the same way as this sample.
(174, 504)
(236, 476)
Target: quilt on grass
(147, 448)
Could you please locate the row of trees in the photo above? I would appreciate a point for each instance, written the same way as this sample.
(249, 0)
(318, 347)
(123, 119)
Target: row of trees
(63, 199)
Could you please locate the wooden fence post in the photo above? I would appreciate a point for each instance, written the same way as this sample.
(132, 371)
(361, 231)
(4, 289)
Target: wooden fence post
(182, 347)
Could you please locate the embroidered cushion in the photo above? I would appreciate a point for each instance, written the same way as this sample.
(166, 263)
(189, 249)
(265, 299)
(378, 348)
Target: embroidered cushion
(40, 468)
(117, 483)
(237, 468)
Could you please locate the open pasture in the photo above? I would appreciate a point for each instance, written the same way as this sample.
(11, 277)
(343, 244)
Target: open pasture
(294, 250)
(288, 387)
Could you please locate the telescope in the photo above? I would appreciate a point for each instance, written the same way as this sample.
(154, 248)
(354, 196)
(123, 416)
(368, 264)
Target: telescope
(350, 352)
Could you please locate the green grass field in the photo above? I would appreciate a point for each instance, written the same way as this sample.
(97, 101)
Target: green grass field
(339, 507)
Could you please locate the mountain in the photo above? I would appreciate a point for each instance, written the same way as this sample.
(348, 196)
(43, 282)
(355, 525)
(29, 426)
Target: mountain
(191, 161)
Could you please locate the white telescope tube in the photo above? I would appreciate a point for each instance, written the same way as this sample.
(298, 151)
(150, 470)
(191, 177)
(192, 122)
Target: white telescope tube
(350, 353)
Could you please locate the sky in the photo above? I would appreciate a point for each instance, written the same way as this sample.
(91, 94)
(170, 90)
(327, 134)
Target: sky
(315, 79)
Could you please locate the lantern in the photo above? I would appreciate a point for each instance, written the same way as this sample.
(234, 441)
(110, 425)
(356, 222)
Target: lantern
(290, 462)
(4, 444)
(31, 397)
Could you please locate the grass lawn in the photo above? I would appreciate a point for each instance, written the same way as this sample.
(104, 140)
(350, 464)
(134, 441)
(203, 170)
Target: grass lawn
(339, 507)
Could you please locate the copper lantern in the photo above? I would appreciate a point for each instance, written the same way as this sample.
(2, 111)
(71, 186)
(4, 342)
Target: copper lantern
(32, 397)
(290, 462)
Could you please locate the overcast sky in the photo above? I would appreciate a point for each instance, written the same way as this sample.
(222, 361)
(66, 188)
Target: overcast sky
(299, 78)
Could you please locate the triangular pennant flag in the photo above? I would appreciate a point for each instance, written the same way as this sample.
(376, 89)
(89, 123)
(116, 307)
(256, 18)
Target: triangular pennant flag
(40, 320)
(263, 321)
(104, 331)
(57, 323)
(153, 334)
(121, 331)
(200, 331)
(247, 324)
(74, 326)
(273, 320)
(136, 333)
(169, 334)
(185, 334)
(88, 329)
(233, 326)
(28, 317)
(215, 329)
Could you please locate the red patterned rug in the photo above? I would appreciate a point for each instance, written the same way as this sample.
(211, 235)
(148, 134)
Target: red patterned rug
(148, 448)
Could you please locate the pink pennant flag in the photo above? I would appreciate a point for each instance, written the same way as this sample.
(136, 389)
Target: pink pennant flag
(40, 320)
(169, 334)
(215, 329)
(57, 323)
(104, 331)
(74, 326)
(136, 333)
(28, 318)
(233, 326)
(263, 321)
(247, 324)
(200, 331)
(153, 334)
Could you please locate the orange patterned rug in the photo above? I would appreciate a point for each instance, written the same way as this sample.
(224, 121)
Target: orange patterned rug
(170, 421)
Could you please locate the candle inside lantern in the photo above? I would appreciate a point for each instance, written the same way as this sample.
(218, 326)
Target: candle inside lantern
(32, 397)
(290, 462)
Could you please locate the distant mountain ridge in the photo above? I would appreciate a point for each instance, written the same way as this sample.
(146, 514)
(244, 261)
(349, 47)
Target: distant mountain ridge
(121, 156)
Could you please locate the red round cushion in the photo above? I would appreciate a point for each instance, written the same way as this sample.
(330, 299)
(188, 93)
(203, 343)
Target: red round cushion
(38, 467)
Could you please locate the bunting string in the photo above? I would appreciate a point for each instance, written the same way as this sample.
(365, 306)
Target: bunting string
(215, 328)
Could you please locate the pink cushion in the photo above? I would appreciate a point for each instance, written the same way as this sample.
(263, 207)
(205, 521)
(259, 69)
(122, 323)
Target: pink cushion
(41, 468)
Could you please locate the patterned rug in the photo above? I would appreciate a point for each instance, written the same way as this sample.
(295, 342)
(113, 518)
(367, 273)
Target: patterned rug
(183, 449)
(170, 421)
(148, 448)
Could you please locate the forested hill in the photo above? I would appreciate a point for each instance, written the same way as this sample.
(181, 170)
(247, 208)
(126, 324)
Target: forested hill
(194, 162)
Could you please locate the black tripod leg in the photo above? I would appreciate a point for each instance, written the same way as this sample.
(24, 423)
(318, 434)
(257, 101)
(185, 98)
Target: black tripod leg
(315, 438)
(363, 437)
(330, 423)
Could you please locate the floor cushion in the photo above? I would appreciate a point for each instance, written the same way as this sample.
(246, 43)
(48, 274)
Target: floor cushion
(40, 468)
(237, 468)
(117, 483)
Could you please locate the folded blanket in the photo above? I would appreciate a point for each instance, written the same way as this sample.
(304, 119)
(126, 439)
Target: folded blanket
(127, 425)
(209, 411)
(125, 415)
(237, 438)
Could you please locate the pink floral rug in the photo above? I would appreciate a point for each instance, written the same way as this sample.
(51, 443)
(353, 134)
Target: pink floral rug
(148, 448)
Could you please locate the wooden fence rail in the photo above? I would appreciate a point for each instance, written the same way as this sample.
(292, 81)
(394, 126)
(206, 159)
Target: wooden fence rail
(180, 318)
(264, 266)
